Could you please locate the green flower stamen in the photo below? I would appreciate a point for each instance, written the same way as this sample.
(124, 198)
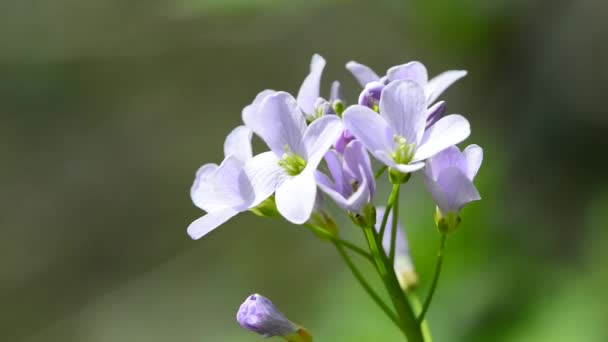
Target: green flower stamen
(404, 152)
(292, 163)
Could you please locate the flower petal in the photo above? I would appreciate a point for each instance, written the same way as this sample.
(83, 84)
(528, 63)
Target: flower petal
(403, 107)
(437, 194)
(362, 73)
(450, 157)
(458, 189)
(238, 144)
(319, 136)
(434, 113)
(334, 165)
(309, 91)
(295, 197)
(369, 127)
(414, 71)
(201, 186)
(448, 131)
(202, 226)
(280, 123)
(249, 113)
(356, 161)
(474, 156)
(330, 189)
(265, 175)
(335, 92)
(438, 84)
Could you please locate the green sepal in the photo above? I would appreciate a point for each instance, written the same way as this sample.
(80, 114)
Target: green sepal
(397, 177)
(447, 223)
(268, 208)
(366, 218)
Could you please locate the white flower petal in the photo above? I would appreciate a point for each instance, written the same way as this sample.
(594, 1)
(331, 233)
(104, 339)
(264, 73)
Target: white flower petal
(249, 113)
(295, 197)
(403, 107)
(309, 91)
(362, 73)
(209, 222)
(265, 176)
(474, 156)
(448, 131)
(320, 136)
(238, 144)
(438, 84)
(369, 128)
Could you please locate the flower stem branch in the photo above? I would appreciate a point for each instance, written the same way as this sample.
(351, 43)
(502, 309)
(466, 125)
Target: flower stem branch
(336, 240)
(429, 297)
(357, 274)
(389, 207)
(380, 171)
(409, 325)
(395, 208)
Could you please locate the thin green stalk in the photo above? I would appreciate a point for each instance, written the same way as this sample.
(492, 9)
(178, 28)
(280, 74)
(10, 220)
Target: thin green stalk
(429, 297)
(417, 305)
(385, 269)
(342, 242)
(366, 286)
(380, 171)
(389, 207)
(395, 208)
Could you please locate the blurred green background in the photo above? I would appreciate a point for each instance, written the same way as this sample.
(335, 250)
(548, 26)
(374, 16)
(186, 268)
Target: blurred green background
(108, 107)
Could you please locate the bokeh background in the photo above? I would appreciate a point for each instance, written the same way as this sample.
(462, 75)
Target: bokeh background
(108, 107)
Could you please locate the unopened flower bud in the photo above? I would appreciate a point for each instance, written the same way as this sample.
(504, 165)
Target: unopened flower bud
(259, 315)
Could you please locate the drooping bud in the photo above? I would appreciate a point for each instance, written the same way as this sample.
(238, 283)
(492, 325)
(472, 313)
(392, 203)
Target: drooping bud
(259, 315)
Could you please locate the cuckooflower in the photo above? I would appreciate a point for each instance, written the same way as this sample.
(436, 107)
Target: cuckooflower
(228, 189)
(296, 151)
(353, 184)
(404, 267)
(449, 177)
(398, 136)
(259, 315)
(414, 71)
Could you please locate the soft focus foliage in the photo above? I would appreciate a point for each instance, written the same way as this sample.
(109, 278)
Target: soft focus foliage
(107, 107)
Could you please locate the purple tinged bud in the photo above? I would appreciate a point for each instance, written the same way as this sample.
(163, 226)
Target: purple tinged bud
(370, 96)
(434, 113)
(343, 140)
(259, 315)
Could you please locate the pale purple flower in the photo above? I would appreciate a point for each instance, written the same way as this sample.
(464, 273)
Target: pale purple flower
(449, 177)
(404, 267)
(259, 315)
(343, 140)
(228, 189)
(398, 136)
(296, 151)
(352, 185)
(414, 71)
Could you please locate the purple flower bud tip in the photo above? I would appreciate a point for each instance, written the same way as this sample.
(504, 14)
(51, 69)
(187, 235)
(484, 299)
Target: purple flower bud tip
(259, 315)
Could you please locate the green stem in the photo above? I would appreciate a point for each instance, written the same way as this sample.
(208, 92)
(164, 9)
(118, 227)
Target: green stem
(409, 325)
(380, 171)
(417, 305)
(389, 207)
(429, 297)
(395, 208)
(365, 285)
(337, 240)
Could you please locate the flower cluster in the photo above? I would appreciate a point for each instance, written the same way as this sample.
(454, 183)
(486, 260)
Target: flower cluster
(322, 144)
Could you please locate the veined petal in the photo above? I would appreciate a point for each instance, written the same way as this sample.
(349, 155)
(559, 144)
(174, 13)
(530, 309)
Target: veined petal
(280, 123)
(450, 157)
(209, 222)
(414, 71)
(334, 164)
(265, 175)
(474, 156)
(249, 113)
(309, 91)
(370, 128)
(403, 107)
(438, 84)
(356, 161)
(458, 189)
(238, 144)
(448, 131)
(295, 197)
(437, 194)
(201, 187)
(319, 136)
(362, 73)
(434, 113)
(331, 190)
